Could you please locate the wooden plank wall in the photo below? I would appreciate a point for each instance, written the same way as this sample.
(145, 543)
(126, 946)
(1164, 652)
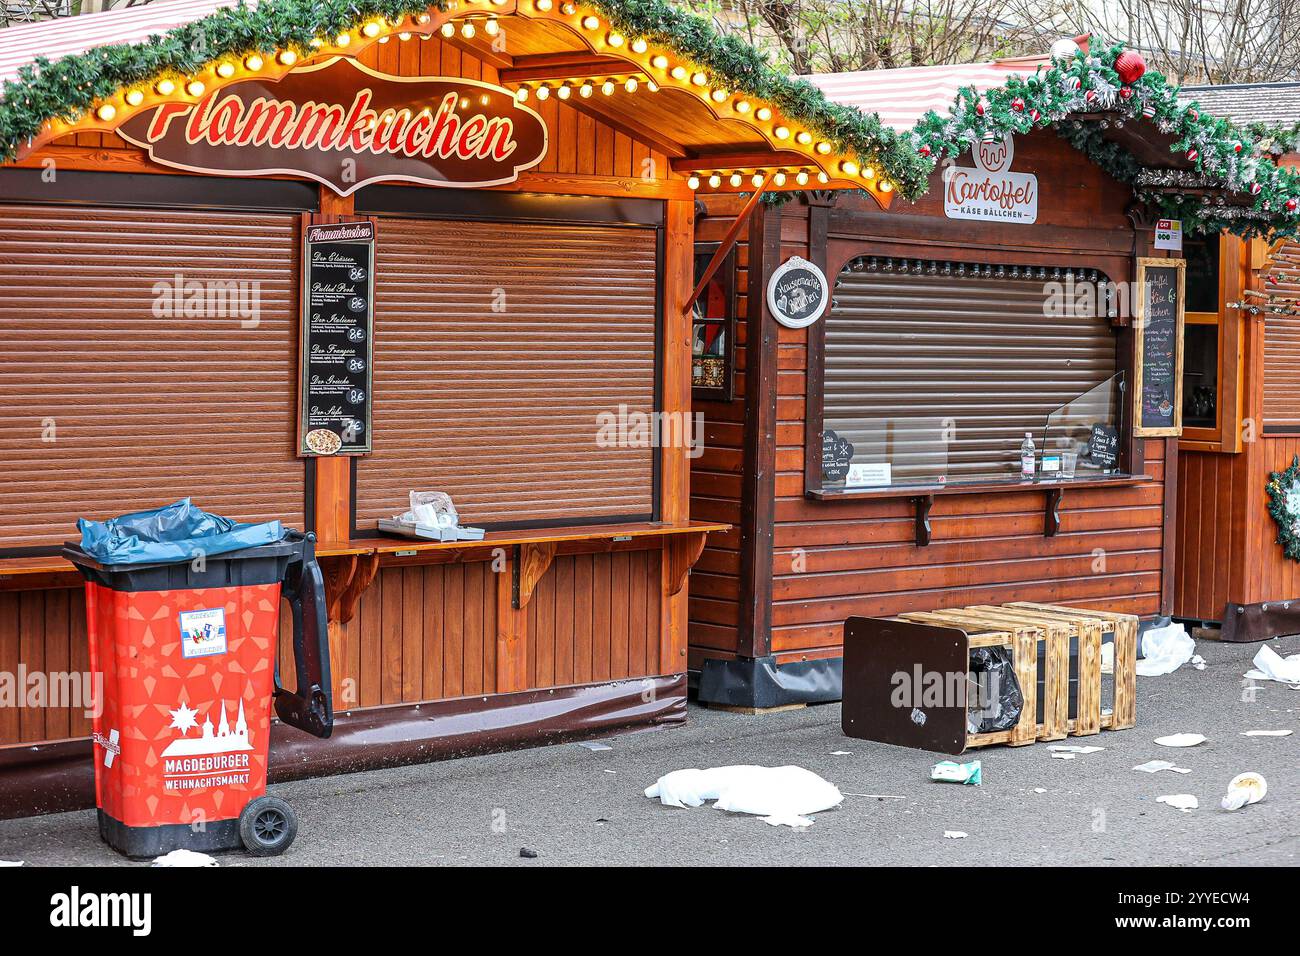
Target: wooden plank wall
(835, 559)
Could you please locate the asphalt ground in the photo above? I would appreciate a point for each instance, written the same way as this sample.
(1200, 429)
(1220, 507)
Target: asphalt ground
(573, 806)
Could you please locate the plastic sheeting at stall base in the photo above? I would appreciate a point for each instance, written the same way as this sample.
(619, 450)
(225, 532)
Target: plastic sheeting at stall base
(1270, 665)
(177, 532)
(785, 795)
(1164, 650)
(994, 700)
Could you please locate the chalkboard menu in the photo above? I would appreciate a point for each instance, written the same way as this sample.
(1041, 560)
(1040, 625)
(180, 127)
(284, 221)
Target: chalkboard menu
(1158, 390)
(335, 347)
(1103, 445)
(837, 453)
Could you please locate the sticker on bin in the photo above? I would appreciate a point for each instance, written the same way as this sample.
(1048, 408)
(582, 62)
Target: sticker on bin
(203, 632)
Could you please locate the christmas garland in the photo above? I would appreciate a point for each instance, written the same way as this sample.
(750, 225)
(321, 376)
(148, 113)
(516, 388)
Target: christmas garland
(67, 88)
(1284, 505)
(1276, 140)
(1224, 157)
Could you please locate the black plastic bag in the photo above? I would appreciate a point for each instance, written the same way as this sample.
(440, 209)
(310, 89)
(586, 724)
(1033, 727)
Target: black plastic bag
(993, 697)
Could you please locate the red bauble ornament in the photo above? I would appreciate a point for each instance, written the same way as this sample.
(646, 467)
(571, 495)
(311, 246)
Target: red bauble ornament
(1034, 115)
(979, 108)
(1090, 96)
(1256, 189)
(924, 150)
(1125, 93)
(1130, 66)
(1192, 154)
(1018, 105)
(1236, 147)
(1291, 205)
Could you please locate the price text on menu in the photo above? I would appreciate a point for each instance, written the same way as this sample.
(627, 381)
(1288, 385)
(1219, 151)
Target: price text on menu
(1158, 395)
(337, 329)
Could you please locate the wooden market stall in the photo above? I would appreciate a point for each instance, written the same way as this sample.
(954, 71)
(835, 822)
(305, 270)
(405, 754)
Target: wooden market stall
(1237, 564)
(502, 189)
(871, 459)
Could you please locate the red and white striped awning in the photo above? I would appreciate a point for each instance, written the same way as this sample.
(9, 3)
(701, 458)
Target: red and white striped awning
(23, 43)
(902, 96)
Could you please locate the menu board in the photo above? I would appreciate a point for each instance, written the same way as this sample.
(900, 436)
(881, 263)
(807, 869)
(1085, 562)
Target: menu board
(1158, 367)
(1103, 445)
(837, 452)
(335, 346)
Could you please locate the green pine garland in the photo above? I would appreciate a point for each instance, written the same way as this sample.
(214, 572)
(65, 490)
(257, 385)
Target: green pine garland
(67, 88)
(1226, 156)
(1280, 485)
(1276, 140)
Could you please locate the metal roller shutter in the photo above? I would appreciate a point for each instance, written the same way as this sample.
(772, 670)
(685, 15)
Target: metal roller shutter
(110, 407)
(497, 345)
(914, 356)
(1282, 346)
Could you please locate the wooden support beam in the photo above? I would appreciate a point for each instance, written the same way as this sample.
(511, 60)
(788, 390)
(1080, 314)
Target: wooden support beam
(725, 247)
(512, 632)
(923, 504)
(684, 551)
(531, 561)
(1052, 512)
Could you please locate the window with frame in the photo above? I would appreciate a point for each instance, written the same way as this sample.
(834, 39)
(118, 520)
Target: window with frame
(936, 371)
(714, 327)
(1202, 339)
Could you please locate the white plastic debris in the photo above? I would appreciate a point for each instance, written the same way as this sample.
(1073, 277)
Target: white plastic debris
(780, 792)
(1270, 665)
(1155, 766)
(1164, 650)
(1180, 801)
(594, 745)
(1181, 740)
(1198, 662)
(841, 753)
(1040, 790)
(1267, 733)
(185, 858)
(4, 863)
(1074, 748)
(1244, 788)
(793, 822)
(1064, 756)
(954, 834)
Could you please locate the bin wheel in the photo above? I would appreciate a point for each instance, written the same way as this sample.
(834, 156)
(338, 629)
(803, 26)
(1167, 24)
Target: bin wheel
(267, 826)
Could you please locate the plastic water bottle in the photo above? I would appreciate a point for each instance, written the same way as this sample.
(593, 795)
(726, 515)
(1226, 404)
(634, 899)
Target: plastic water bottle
(1027, 456)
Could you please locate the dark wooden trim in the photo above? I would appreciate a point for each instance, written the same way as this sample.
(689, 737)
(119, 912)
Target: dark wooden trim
(144, 190)
(1052, 512)
(815, 357)
(924, 532)
(1168, 582)
(974, 488)
(758, 474)
(480, 205)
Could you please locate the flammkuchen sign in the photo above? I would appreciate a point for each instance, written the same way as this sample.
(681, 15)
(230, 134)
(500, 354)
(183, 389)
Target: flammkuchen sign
(344, 125)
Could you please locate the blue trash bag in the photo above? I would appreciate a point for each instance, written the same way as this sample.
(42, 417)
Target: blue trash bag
(176, 532)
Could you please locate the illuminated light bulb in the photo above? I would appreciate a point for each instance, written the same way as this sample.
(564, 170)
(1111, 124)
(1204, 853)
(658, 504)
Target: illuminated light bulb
(447, 30)
(106, 112)
(659, 62)
(630, 85)
(715, 181)
(886, 187)
(467, 30)
(652, 86)
(134, 98)
(590, 22)
(225, 70)
(422, 18)
(735, 180)
(801, 178)
(464, 102)
(165, 87)
(497, 3)
(371, 29)
(779, 179)
(614, 39)
(699, 79)
(586, 90)
(287, 58)
(718, 95)
(491, 27)
(317, 43)
(564, 92)
(742, 106)
(803, 137)
(607, 87)
(781, 132)
(868, 173)
(194, 88)
(569, 9)
(693, 182)
(521, 94)
(679, 72)
(543, 92)
(254, 62)
(639, 45)
(823, 148)
(757, 180)
(849, 167)
(823, 178)
(403, 37)
(384, 39)
(343, 39)
(543, 5)
(763, 113)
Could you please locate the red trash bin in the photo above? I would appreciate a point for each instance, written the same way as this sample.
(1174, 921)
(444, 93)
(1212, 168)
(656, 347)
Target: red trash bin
(188, 656)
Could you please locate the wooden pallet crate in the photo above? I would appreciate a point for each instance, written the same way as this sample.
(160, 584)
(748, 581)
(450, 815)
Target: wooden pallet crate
(876, 648)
